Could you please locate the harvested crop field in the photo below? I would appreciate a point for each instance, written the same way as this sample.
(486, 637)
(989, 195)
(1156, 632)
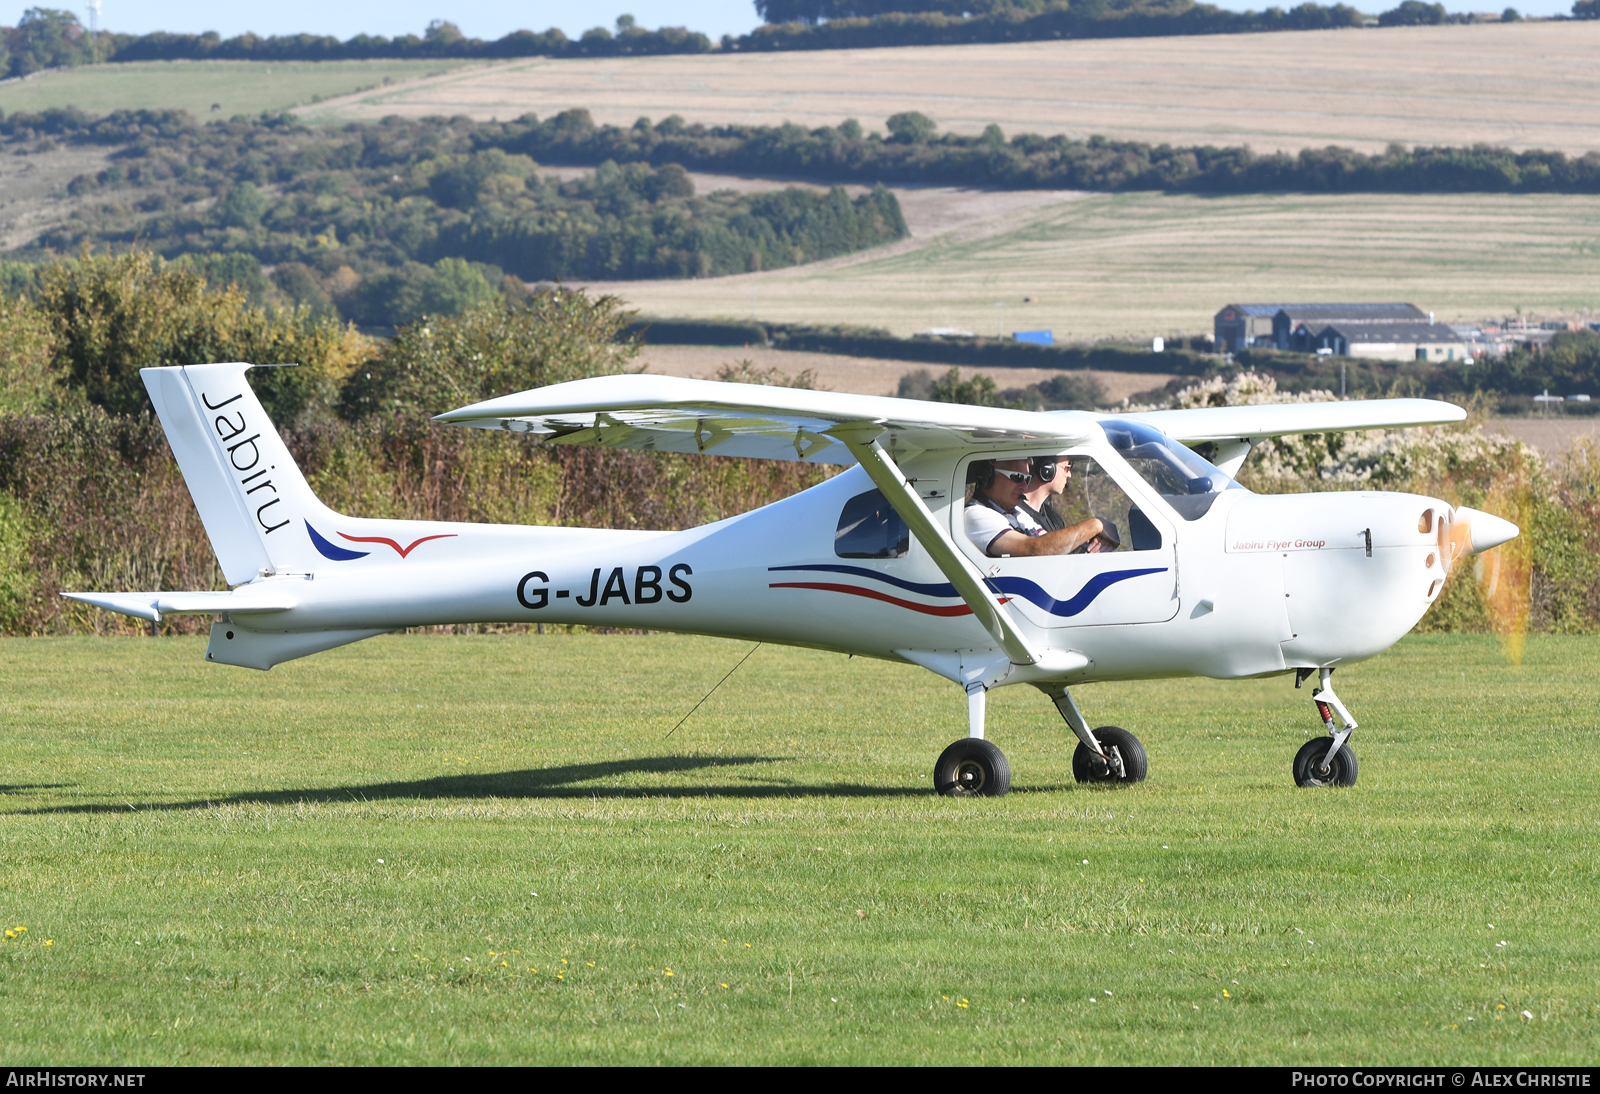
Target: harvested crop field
(866, 375)
(1526, 85)
(1134, 265)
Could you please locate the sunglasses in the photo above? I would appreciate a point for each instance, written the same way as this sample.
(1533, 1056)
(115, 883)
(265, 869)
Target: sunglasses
(1018, 477)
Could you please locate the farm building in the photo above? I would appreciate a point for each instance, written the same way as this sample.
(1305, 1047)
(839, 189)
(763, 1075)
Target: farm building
(1298, 327)
(1385, 340)
(1241, 326)
(1295, 326)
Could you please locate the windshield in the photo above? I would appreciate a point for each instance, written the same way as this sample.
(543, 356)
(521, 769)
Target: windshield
(1185, 481)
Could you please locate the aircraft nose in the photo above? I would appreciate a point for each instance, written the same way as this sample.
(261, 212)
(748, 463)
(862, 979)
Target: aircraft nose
(1486, 529)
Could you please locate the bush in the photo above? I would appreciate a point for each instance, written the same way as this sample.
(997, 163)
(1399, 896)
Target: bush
(110, 315)
(438, 364)
(911, 127)
(28, 382)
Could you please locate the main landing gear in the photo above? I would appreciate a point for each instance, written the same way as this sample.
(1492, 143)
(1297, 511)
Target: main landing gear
(975, 767)
(1326, 761)
(972, 767)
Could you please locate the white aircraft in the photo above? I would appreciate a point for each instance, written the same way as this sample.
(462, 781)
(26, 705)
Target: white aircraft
(1193, 575)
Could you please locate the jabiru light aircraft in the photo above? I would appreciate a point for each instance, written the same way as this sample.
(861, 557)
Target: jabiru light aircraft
(1161, 565)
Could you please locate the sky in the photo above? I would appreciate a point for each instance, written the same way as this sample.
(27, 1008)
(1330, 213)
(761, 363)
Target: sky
(488, 19)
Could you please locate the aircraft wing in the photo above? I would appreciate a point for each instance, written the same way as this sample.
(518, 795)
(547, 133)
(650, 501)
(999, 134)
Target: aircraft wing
(671, 414)
(1229, 423)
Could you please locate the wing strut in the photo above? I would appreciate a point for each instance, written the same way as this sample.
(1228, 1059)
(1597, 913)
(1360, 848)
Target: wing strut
(862, 440)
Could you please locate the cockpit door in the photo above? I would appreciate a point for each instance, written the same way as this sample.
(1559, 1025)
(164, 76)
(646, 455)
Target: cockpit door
(1135, 582)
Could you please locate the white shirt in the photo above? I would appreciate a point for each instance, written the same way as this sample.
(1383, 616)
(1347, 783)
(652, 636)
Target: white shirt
(985, 523)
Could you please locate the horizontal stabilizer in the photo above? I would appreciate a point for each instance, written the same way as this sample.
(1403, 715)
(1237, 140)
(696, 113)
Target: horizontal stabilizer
(246, 600)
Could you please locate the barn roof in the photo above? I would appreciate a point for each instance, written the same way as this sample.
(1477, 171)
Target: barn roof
(1334, 313)
(1359, 333)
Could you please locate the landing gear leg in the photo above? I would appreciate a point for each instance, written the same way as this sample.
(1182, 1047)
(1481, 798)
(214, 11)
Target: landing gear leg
(973, 767)
(1327, 761)
(1109, 754)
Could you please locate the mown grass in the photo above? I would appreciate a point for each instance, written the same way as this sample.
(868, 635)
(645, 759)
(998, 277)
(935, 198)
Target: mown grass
(235, 87)
(338, 862)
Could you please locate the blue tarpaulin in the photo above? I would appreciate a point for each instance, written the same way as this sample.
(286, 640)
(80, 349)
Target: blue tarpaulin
(1037, 337)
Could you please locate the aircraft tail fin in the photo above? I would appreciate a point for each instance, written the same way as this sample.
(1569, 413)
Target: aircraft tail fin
(254, 502)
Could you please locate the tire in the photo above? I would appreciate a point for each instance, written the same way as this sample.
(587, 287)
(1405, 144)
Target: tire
(972, 768)
(1308, 762)
(1089, 768)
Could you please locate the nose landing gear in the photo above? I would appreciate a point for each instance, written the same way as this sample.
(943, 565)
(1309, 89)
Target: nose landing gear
(1326, 761)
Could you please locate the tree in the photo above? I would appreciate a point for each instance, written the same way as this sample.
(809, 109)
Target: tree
(1413, 13)
(455, 286)
(1586, 9)
(444, 33)
(978, 391)
(242, 206)
(46, 38)
(913, 127)
(1511, 15)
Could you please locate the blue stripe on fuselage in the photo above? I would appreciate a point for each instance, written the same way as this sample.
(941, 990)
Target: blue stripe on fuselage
(1010, 586)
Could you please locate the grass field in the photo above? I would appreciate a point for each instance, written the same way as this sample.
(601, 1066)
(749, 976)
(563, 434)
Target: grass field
(1524, 85)
(486, 850)
(235, 87)
(1143, 264)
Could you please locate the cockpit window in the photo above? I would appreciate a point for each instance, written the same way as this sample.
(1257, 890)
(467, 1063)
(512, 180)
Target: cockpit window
(870, 528)
(1186, 481)
(1090, 492)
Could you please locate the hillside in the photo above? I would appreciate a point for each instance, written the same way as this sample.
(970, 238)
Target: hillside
(1142, 264)
(233, 87)
(1526, 85)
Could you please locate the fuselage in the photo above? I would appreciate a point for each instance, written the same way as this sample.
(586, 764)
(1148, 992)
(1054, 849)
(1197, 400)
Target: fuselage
(1256, 585)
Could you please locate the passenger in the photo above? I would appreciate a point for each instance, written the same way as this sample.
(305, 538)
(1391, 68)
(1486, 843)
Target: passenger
(1050, 476)
(997, 523)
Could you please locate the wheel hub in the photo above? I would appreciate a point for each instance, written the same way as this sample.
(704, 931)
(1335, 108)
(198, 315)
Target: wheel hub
(971, 777)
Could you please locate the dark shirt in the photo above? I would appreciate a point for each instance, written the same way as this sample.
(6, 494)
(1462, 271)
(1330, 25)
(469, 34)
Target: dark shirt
(1048, 518)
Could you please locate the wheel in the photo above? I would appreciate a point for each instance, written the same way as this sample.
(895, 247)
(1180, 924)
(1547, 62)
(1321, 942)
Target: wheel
(1308, 764)
(972, 768)
(1089, 768)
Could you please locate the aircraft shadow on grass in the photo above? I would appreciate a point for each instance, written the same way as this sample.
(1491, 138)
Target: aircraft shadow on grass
(570, 781)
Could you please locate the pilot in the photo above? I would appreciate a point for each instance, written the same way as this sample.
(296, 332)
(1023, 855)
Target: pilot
(999, 526)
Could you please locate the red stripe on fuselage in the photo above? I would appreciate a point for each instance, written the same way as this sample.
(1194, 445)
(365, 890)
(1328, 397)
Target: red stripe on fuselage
(402, 551)
(854, 590)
